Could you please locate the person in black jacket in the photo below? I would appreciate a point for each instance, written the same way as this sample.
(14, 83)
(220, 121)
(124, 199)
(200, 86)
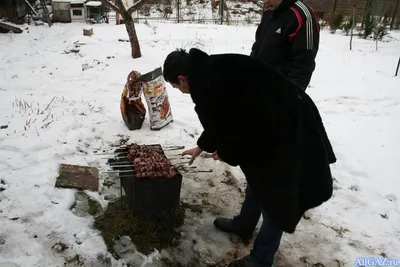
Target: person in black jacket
(256, 118)
(288, 39)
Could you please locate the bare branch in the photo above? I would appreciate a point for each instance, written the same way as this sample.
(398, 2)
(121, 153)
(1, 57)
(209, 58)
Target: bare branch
(135, 7)
(111, 5)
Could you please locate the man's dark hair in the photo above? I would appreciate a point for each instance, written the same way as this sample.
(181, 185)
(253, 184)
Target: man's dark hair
(177, 63)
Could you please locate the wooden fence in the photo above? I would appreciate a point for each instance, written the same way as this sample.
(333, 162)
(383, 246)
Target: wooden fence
(346, 6)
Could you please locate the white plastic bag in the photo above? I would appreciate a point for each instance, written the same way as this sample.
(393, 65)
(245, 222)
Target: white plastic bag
(155, 93)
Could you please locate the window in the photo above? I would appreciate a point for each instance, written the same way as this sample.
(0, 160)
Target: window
(77, 12)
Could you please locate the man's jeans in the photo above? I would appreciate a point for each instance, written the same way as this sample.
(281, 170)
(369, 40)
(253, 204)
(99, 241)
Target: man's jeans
(268, 238)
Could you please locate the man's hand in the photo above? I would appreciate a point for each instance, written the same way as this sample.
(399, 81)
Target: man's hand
(215, 156)
(194, 152)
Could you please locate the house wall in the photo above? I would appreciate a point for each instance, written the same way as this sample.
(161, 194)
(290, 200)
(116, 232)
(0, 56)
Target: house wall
(61, 16)
(78, 12)
(61, 12)
(6, 9)
(61, 5)
(13, 9)
(20, 8)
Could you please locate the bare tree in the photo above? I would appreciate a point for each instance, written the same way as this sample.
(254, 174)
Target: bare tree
(352, 25)
(129, 23)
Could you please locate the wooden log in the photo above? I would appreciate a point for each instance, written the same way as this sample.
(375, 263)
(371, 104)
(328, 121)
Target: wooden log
(10, 27)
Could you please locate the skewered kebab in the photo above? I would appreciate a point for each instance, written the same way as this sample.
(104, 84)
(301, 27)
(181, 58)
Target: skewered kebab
(149, 161)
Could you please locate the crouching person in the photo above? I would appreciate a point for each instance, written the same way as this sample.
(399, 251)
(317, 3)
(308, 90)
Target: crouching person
(255, 118)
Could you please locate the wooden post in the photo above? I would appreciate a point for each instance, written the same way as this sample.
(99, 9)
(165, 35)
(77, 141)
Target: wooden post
(221, 8)
(397, 69)
(177, 4)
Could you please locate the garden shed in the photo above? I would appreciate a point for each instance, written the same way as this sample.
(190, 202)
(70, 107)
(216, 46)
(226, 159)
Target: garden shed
(95, 11)
(69, 10)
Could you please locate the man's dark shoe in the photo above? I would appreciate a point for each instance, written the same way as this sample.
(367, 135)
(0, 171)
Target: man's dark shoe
(228, 226)
(244, 262)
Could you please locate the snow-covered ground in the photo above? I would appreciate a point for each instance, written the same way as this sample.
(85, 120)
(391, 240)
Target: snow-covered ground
(56, 113)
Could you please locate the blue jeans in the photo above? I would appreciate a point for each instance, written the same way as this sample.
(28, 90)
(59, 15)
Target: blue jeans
(268, 238)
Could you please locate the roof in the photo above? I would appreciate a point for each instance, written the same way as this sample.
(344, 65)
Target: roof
(93, 3)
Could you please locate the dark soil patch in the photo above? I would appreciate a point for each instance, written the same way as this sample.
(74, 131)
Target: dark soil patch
(147, 232)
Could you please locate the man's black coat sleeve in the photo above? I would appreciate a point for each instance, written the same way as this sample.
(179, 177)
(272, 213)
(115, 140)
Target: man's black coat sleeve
(304, 46)
(236, 113)
(207, 139)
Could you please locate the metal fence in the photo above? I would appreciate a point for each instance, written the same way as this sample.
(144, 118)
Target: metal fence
(182, 11)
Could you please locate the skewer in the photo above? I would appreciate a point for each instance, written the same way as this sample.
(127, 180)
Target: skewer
(193, 171)
(166, 147)
(181, 163)
(115, 158)
(125, 146)
(117, 171)
(125, 158)
(111, 153)
(171, 149)
(118, 162)
(120, 166)
(131, 165)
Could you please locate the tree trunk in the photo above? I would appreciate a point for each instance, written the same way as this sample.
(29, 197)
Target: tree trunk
(130, 28)
(213, 6)
(364, 13)
(352, 26)
(334, 6)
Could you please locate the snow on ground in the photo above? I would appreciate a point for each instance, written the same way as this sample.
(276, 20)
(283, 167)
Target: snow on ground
(56, 113)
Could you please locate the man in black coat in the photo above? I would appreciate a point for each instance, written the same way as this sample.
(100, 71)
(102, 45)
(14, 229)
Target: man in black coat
(288, 40)
(256, 118)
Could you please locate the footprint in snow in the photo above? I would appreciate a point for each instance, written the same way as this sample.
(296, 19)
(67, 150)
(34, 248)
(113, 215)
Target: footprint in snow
(2, 185)
(354, 188)
(391, 197)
